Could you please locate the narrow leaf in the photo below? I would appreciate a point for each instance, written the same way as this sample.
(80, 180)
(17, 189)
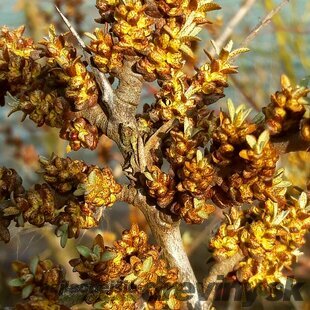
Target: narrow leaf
(83, 250)
(27, 290)
(147, 264)
(34, 264)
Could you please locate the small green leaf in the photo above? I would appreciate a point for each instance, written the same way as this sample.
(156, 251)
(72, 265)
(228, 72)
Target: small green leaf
(259, 118)
(280, 217)
(27, 290)
(147, 264)
(263, 139)
(229, 46)
(251, 140)
(83, 250)
(302, 200)
(130, 278)
(148, 176)
(108, 256)
(34, 264)
(97, 250)
(63, 239)
(138, 281)
(283, 184)
(80, 191)
(16, 282)
(64, 227)
(231, 110)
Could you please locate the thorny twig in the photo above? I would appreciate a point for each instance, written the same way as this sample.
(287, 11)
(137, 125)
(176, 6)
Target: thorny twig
(263, 23)
(102, 81)
(241, 13)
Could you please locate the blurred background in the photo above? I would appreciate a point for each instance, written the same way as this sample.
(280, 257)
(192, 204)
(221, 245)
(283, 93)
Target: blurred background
(283, 46)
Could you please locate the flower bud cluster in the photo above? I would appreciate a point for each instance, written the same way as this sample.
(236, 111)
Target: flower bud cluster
(287, 109)
(39, 283)
(69, 199)
(133, 261)
(269, 235)
(49, 82)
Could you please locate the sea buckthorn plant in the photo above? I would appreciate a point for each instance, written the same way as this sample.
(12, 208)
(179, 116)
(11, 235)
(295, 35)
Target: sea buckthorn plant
(184, 160)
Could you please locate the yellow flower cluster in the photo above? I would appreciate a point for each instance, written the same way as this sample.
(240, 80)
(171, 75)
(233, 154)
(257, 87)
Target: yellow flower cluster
(231, 133)
(48, 82)
(99, 188)
(174, 100)
(157, 34)
(135, 262)
(18, 66)
(211, 79)
(80, 85)
(83, 189)
(107, 56)
(41, 278)
(269, 236)
(287, 107)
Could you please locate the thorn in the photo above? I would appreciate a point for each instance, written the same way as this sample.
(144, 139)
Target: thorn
(70, 27)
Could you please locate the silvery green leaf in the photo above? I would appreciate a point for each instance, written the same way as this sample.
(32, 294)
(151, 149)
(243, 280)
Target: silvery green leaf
(80, 191)
(16, 282)
(27, 290)
(130, 278)
(275, 210)
(229, 46)
(34, 264)
(107, 255)
(231, 110)
(92, 177)
(10, 211)
(63, 239)
(259, 118)
(283, 184)
(283, 191)
(280, 172)
(138, 281)
(64, 227)
(59, 233)
(238, 51)
(263, 138)
(197, 203)
(97, 250)
(279, 218)
(147, 264)
(83, 250)
(245, 114)
(302, 200)
(148, 176)
(240, 109)
(251, 140)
